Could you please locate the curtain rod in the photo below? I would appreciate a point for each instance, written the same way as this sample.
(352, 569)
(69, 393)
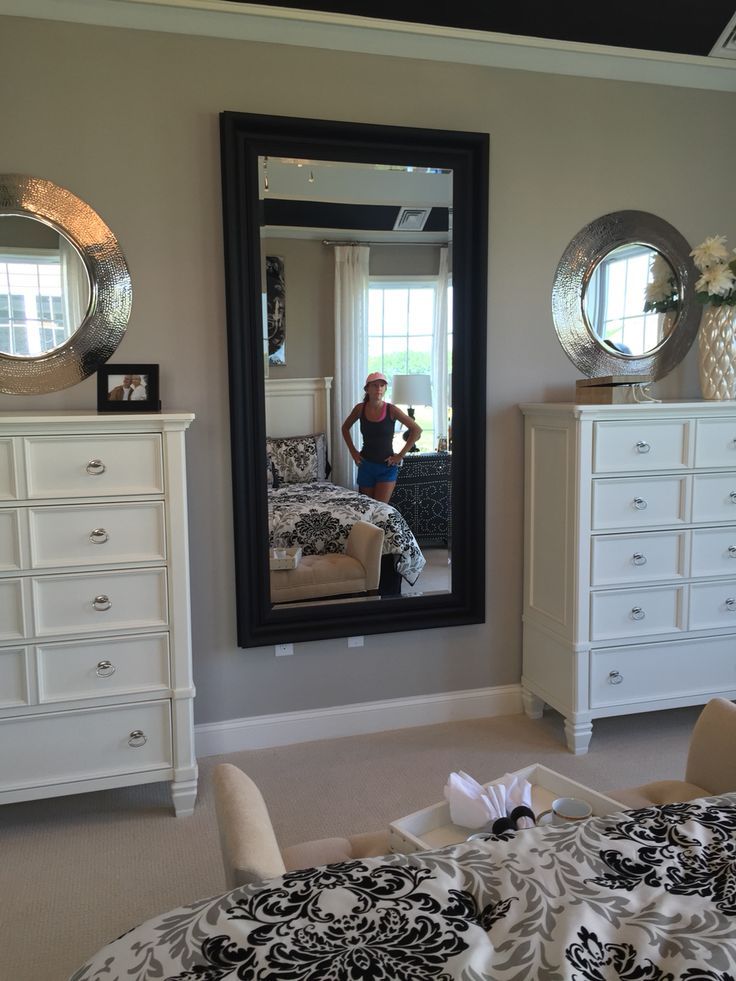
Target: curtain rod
(437, 245)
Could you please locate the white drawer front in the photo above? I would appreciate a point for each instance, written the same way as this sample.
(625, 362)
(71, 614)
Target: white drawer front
(638, 502)
(714, 552)
(635, 612)
(713, 605)
(714, 497)
(104, 534)
(92, 668)
(640, 445)
(66, 604)
(715, 443)
(94, 466)
(627, 559)
(10, 560)
(683, 667)
(8, 484)
(13, 677)
(11, 610)
(66, 746)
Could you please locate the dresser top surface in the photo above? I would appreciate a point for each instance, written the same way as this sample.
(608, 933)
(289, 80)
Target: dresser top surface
(86, 421)
(690, 407)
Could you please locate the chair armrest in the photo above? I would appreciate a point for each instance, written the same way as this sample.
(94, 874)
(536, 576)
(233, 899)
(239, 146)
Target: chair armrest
(365, 543)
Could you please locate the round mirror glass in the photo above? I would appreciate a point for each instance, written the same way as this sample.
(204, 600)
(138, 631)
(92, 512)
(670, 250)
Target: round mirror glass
(45, 289)
(632, 299)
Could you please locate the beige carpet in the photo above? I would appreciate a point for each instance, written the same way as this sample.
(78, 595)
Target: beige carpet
(76, 872)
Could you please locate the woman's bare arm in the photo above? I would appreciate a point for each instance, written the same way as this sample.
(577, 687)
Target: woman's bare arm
(345, 430)
(415, 431)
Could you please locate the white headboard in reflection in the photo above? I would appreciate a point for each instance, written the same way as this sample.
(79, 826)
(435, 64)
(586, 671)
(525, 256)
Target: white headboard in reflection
(299, 407)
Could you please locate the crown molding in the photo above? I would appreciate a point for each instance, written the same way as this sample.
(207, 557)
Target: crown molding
(342, 32)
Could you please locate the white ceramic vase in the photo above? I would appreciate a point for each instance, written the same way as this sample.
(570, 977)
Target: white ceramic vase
(717, 346)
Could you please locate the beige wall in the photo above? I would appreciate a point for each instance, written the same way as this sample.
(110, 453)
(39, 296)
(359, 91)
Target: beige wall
(128, 121)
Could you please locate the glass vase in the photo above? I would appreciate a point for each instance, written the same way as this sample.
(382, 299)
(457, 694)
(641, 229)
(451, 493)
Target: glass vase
(717, 347)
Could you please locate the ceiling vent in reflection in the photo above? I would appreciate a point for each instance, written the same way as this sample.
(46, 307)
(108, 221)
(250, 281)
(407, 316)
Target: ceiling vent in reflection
(411, 219)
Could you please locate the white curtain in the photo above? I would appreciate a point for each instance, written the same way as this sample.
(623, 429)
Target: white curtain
(439, 350)
(74, 286)
(351, 348)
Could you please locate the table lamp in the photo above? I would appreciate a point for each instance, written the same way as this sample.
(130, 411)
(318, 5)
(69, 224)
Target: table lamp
(411, 390)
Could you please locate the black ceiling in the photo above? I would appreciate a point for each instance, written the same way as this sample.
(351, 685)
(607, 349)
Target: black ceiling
(682, 27)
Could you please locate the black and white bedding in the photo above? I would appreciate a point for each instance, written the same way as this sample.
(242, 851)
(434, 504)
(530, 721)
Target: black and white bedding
(645, 895)
(318, 516)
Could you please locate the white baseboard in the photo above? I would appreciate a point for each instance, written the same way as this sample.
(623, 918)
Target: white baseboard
(262, 731)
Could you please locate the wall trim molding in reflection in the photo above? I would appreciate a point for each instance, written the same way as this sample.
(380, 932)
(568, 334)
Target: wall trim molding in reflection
(264, 731)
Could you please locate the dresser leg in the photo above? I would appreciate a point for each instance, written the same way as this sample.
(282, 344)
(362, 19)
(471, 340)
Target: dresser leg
(533, 706)
(578, 736)
(183, 796)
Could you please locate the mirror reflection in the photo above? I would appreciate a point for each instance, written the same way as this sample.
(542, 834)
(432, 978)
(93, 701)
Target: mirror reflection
(632, 300)
(44, 287)
(356, 280)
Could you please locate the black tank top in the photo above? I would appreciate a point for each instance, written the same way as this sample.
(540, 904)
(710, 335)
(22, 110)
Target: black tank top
(378, 437)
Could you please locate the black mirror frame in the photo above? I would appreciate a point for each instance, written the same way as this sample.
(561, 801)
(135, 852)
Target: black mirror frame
(245, 137)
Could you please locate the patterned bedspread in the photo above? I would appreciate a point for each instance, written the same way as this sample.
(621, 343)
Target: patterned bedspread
(318, 516)
(644, 895)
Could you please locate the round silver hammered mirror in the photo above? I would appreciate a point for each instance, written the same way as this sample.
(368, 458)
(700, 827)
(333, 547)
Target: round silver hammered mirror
(65, 290)
(623, 301)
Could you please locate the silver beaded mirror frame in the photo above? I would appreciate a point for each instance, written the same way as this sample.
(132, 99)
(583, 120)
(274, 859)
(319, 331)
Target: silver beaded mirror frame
(578, 263)
(103, 325)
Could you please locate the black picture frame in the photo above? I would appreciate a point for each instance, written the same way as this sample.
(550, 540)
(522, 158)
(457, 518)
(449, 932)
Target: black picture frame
(110, 377)
(245, 137)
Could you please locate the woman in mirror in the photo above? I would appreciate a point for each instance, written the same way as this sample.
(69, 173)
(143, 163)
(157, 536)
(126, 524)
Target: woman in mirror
(378, 465)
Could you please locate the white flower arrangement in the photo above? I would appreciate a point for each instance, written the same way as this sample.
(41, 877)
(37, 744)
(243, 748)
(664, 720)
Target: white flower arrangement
(661, 294)
(717, 283)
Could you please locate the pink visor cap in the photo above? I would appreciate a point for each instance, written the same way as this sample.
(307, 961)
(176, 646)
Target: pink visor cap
(375, 376)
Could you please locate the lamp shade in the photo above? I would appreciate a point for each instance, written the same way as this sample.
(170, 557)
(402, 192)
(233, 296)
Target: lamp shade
(411, 390)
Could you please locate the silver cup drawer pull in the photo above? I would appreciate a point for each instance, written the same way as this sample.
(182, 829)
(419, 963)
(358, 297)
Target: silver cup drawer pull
(638, 558)
(137, 738)
(731, 605)
(105, 669)
(101, 602)
(98, 536)
(95, 468)
(642, 446)
(732, 551)
(640, 504)
(732, 497)
(637, 613)
(615, 677)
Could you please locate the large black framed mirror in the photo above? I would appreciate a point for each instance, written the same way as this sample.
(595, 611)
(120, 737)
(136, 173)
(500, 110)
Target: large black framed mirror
(274, 385)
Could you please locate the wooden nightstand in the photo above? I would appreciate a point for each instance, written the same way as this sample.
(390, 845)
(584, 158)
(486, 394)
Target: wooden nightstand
(423, 496)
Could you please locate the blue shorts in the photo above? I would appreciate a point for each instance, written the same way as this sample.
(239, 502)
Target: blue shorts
(370, 474)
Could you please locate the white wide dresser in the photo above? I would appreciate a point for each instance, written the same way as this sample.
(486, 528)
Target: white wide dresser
(96, 683)
(630, 559)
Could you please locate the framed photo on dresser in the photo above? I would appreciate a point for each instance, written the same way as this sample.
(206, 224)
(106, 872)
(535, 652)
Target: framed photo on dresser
(128, 388)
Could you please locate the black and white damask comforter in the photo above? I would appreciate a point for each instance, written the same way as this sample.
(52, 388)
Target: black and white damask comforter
(644, 895)
(319, 515)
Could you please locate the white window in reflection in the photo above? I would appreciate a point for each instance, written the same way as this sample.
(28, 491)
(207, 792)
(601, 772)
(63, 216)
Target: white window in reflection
(31, 304)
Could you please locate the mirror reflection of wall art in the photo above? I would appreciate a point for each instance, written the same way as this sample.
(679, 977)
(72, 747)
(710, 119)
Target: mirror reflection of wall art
(128, 388)
(276, 309)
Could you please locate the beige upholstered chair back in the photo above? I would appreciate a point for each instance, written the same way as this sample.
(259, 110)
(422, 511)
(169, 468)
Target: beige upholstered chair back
(711, 761)
(250, 852)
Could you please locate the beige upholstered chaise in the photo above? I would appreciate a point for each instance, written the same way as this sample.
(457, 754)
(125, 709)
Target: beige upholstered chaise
(711, 762)
(357, 570)
(250, 852)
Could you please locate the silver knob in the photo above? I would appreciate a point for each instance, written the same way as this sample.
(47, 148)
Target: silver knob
(731, 605)
(105, 669)
(732, 495)
(98, 536)
(137, 738)
(640, 504)
(95, 467)
(642, 446)
(101, 602)
(637, 613)
(732, 551)
(615, 677)
(638, 559)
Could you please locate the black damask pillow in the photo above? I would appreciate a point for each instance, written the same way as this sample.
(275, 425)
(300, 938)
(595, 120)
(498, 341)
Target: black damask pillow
(298, 459)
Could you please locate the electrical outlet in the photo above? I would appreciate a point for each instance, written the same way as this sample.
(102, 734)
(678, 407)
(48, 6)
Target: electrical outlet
(356, 641)
(283, 650)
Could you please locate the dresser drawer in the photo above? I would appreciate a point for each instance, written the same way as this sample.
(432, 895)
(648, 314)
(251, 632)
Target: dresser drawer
(626, 559)
(635, 612)
(8, 483)
(642, 445)
(713, 605)
(714, 552)
(714, 497)
(644, 502)
(98, 601)
(12, 625)
(104, 534)
(682, 667)
(95, 668)
(13, 677)
(63, 747)
(10, 560)
(94, 466)
(715, 443)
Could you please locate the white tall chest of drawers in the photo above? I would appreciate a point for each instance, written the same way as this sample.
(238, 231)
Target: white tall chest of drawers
(630, 559)
(96, 683)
